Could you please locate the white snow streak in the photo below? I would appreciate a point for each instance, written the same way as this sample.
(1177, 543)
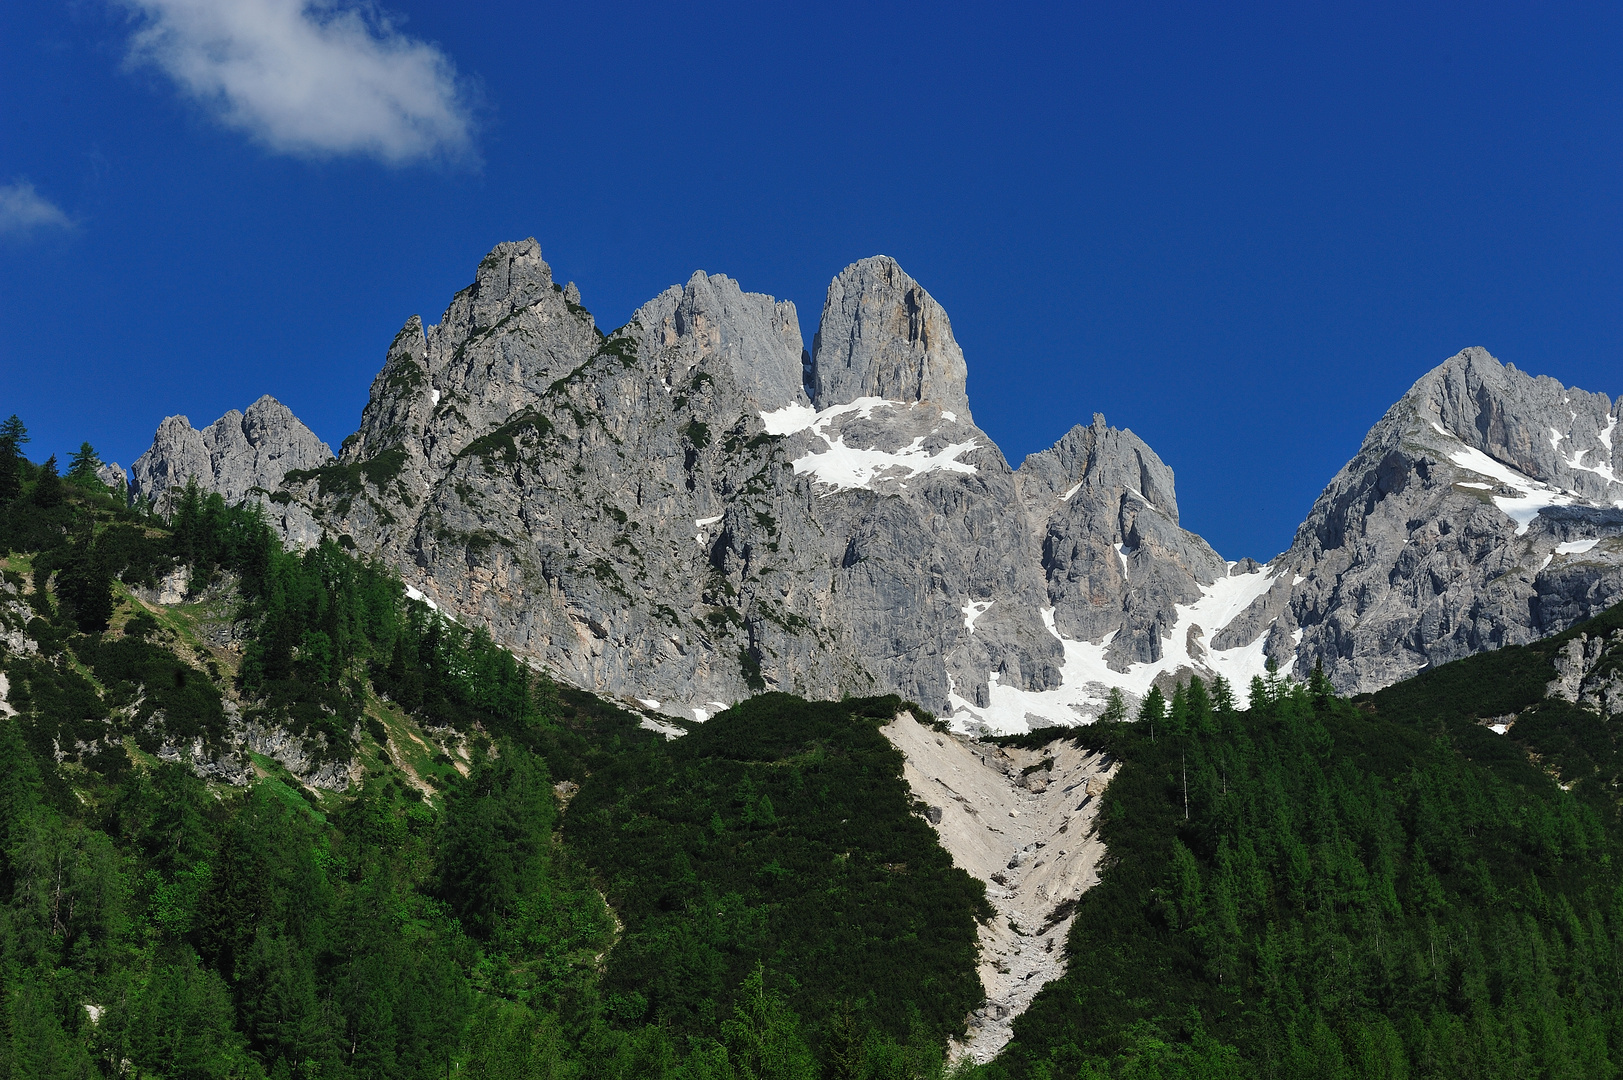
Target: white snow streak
(1603, 471)
(1086, 677)
(841, 467)
(1534, 495)
(421, 597)
(1575, 547)
(973, 610)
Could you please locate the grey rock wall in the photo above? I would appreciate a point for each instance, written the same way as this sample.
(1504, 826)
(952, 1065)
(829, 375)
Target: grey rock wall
(241, 455)
(685, 511)
(882, 335)
(1484, 509)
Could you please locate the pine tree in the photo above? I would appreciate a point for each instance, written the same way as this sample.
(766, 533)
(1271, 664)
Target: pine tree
(1319, 687)
(83, 464)
(12, 437)
(48, 488)
(1115, 707)
(1153, 709)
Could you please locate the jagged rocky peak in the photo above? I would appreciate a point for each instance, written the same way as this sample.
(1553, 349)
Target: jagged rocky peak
(1099, 458)
(1484, 509)
(1116, 561)
(881, 335)
(501, 343)
(512, 277)
(239, 454)
(711, 319)
(1562, 436)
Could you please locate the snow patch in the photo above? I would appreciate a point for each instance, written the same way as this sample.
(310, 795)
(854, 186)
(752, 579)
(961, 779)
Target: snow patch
(842, 467)
(422, 598)
(1533, 495)
(789, 419)
(1086, 677)
(434, 396)
(707, 522)
(1067, 496)
(1121, 555)
(649, 702)
(973, 610)
(951, 417)
(1603, 471)
(1574, 547)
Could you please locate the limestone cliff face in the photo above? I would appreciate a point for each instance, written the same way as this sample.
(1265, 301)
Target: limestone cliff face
(883, 336)
(1484, 509)
(664, 513)
(692, 508)
(1115, 559)
(242, 455)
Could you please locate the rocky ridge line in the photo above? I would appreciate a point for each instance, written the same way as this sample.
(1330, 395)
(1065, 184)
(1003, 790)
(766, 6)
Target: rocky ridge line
(692, 508)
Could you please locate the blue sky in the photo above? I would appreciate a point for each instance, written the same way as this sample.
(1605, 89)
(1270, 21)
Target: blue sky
(1242, 233)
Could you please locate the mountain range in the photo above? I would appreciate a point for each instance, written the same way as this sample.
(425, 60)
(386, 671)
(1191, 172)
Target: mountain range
(695, 507)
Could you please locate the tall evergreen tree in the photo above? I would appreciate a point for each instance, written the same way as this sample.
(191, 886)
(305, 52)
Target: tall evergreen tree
(48, 488)
(12, 437)
(1153, 710)
(83, 464)
(1115, 706)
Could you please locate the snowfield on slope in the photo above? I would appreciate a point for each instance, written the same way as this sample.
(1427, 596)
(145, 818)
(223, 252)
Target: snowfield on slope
(842, 467)
(1087, 678)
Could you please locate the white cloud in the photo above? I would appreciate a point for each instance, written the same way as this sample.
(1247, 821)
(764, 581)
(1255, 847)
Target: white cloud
(22, 210)
(310, 77)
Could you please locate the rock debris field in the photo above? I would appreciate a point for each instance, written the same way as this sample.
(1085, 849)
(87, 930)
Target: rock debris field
(1022, 821)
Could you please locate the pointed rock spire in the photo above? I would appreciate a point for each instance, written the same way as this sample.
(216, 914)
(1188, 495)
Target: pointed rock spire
(882, 335)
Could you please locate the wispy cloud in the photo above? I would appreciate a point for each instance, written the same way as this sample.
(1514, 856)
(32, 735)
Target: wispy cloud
(23, 210)
(313, 78)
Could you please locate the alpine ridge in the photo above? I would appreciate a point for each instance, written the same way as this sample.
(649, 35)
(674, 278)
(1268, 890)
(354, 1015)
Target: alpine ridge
(694, 508)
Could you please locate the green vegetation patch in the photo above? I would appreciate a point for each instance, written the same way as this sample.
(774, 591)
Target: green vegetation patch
(764, 836)
(1309, 889)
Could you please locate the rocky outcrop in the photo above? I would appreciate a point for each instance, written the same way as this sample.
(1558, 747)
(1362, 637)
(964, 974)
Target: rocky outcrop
(692, 508)
(1589, 673)
(1484, 509)
(883, 336)
(241, 455)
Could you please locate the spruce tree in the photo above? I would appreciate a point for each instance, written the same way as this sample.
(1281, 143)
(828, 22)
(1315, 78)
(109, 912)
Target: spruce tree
(48, 488)
(12, 437)
(1115, 707)
(1153, 709)
(83, 464)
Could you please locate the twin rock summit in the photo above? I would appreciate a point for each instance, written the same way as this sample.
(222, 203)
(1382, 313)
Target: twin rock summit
(696, 507)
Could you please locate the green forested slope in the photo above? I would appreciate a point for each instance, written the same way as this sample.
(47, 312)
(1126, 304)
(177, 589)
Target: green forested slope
(1314, 888)
(784, 910)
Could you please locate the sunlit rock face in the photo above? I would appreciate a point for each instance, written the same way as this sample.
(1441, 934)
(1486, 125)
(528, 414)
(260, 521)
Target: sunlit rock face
(1484, 509)
(695, 507)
